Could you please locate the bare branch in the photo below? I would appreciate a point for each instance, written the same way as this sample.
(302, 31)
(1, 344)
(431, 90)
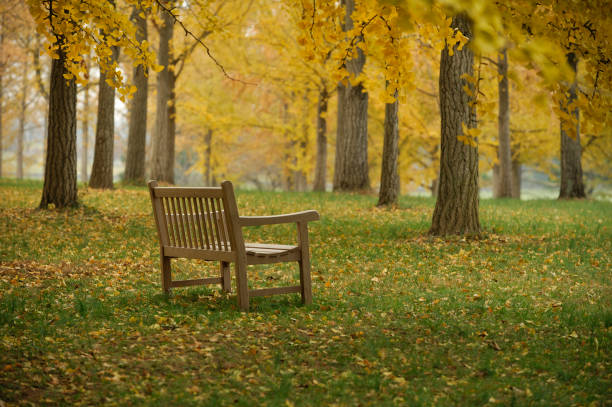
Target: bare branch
(199, 41)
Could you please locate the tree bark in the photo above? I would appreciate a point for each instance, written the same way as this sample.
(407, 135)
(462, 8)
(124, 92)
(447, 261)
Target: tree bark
(135, 160)
(572, 185)
(456, 210)
(23, 106)
(516, 179)
(102, 167)
(299, 175)
(60, 186)
(502, 172)
(351, 166)
(389, 177)
(85, 130)
(162, 159)
(321, 164)
(171, 139)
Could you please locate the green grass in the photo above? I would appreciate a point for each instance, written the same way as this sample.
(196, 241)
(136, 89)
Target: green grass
(522, 316)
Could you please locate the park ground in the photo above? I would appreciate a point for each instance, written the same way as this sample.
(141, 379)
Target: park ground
(519, 316)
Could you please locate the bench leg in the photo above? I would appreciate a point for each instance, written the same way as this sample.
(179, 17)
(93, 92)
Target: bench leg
(226, 277)
(166, 276)
(241, 284)
(305, 281)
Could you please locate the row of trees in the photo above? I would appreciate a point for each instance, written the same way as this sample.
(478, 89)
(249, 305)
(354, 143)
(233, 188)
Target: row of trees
(349, 54)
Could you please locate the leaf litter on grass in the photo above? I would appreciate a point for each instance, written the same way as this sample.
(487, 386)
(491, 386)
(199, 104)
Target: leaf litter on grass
(521, 316)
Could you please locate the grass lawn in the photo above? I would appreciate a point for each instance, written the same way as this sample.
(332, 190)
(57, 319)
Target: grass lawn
(522, 316)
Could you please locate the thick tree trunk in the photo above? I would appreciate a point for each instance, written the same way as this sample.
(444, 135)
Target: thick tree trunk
(502, 172)
(456, 210)
(162, 159)
(135, 160)
(321, 164)
(351, 166)
(389, 177)
(572, 185)
(208, 158)
(516, 179)
(60, 186)
(85, 135)
(102, 168)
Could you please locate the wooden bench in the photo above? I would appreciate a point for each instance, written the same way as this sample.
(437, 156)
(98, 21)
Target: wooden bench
(203, 223)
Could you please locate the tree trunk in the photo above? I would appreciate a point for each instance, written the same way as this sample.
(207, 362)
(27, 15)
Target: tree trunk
(572, 185)
(389, 177)
(351, 166)
(171, 139)
(102, 168)
(162, 159)
(516, 179)
(208, 158)
(502, 172)
(85, 132)
(301, 182)
(60, 186)
(23, 106)
(321, 165)
(42, 90)
(434, 187)
(135, 160)
(456, 210)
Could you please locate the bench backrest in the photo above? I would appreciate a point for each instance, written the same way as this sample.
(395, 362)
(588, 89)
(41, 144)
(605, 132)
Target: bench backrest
(196, 218)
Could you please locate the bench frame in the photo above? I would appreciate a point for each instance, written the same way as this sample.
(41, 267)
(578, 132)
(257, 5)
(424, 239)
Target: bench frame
(203, 223)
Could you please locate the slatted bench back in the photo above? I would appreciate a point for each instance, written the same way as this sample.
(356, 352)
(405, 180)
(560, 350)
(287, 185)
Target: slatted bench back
(191, 218)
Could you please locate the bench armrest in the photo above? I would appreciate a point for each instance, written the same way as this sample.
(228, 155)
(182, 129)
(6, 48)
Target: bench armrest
(304, 216)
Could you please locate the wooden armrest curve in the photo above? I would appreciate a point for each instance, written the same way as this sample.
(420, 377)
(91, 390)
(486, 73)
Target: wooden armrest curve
(304, 216)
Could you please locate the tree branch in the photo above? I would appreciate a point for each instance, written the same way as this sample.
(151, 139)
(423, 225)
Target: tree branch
(199, 41)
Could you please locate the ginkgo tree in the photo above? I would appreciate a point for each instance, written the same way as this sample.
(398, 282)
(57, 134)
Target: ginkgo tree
(71, 29)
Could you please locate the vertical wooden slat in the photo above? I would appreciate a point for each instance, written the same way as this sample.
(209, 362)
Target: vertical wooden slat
(226, 228)
(185, 219)
(202, 216)
(198, 222)
(220, 222)
(176, 222)
(216, 224)
(192, 222)
(169, 223)
(210, 224)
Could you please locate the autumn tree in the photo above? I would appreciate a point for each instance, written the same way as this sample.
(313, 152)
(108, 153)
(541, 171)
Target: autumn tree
(320, 178)
(351, 165)
(502, 172)
(135, 159)
(389, 178)
(162, 158)
(72, 28)
(102, 167)
(456, 210)
(572, 185)
(85, 118)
